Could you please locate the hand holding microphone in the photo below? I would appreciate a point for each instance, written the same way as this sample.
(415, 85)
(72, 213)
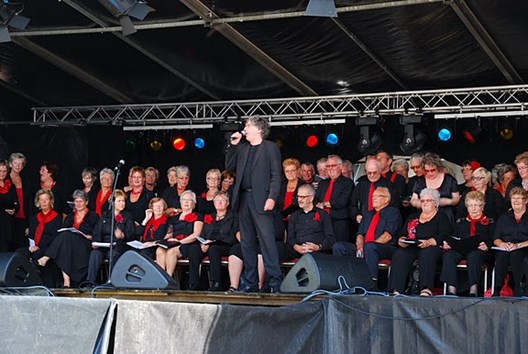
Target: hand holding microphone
(236, 137)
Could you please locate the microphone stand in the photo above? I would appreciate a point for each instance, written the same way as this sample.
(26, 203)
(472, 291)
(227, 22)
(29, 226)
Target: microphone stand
(111, 207)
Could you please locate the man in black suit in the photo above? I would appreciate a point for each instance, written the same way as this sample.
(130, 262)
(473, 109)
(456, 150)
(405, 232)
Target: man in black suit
(258, 177)
(333, 195)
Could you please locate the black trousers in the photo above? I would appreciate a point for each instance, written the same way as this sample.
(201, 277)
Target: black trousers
(215, 253)
(402, 262)
(503, 260)
(258, 229)
(475, 259)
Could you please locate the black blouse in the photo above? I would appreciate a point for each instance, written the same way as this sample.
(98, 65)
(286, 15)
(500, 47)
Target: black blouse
(223, 231)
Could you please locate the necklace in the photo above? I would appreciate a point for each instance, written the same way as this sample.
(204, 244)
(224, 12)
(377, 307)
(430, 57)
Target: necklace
(220, 217)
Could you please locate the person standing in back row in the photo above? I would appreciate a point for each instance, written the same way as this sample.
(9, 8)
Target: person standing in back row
(258, 177)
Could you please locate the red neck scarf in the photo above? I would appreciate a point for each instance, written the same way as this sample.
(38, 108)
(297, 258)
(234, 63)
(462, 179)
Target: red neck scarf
(76, 222)
(133, 192)
(5, 188)
(43, 219)
(473, 223)
(100, 200)
(152, 226)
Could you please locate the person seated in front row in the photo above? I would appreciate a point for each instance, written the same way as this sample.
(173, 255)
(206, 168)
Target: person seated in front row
(310, 228)
(154, 227)
(186, 227)
(475, 224)
(375, 237)
(123, 232)
(428, 229)
(219, 231)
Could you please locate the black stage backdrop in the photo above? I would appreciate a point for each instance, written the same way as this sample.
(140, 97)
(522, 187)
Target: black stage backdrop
(76, 147)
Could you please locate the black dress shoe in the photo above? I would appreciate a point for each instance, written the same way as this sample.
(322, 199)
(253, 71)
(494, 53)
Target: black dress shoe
(247, 289)
(193, 287)
(215, 286)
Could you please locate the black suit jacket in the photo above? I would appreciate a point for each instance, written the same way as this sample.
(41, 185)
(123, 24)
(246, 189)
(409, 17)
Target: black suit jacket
(340, 197)
(265, 172)
(359, 203)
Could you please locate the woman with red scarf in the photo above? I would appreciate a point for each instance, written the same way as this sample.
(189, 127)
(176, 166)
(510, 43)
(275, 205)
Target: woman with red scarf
(70, 249)
(17, 162)
(186, 227)
(219, 231)
(43, 228)
(154, 227)
(49, 172)
(122, 233)
(106, 178)
(427, 230)
(8, 207)
(476, 226)
(138, 197)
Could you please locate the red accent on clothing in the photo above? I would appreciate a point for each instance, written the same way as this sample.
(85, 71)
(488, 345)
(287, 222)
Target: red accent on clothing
(192, 217)
(133, 192)
(152, 226)
(328, 194)
(370, 235)
(370, 194)
(288, 198)
(317, 217)
(483, 220)
(208, 219)
(77, 223)
(119, 218)
(411, 228)
(5, 188)
(20, 196)
(43, 219)
(100, 200)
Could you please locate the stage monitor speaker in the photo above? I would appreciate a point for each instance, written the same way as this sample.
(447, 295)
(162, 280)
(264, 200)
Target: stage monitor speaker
(17, 271)
(320, 271)
(133, 271)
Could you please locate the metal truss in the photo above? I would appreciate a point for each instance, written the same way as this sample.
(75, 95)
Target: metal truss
(502, 100)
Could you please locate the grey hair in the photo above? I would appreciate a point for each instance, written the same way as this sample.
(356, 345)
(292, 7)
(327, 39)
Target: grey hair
(182, 169)
(17, 156)
(308, 188)
(191, 194)
(261, 124)
(433, 193)
(400, 162)
(107, 171)
(80, 194)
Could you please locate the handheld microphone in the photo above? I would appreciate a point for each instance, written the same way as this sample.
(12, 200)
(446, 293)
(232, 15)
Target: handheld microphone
(120, 164)
(243, 132)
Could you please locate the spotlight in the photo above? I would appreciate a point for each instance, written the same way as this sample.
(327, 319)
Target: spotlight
(130, 145)
(312, 141)
(332, 139)
(178, 143)
(411, 142)
(155, 145)
(368, 143)
(444, 135)
(321, 8)
(199, 143)
(471, 134)
(506, 132)
(124, 9)
(9, 17)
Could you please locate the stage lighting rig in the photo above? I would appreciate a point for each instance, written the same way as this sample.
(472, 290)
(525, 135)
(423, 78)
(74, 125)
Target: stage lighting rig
(9, 17)
(124, 9)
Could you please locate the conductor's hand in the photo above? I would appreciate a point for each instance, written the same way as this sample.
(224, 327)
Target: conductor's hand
(235, 138)
(269, 205)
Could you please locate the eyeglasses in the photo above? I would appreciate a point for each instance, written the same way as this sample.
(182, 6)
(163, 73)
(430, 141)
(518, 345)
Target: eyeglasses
(303, 196)
(212, 178)
(430, 171)
(290, 171)
(416, 167)
(426, 200)
(332, 166)
(518, 198)
(522, 168)
(478, 178)
(186, 200)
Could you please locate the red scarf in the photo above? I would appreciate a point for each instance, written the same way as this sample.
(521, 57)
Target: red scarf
(43, 219)
(5, 188)
(483, 220)
(100, 200)
(133, 192)
(77, 223)
(152, 226)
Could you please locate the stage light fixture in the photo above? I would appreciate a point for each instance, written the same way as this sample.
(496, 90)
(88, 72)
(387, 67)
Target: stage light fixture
(199, 143)
(368, 142)
(321, 8)
(9, 17)
(156, 145)
(178, 143)
(312, 141)
(411, 142)
(444, 135)
(130, 145)
(471, 134)
(124, 9)
(332, 139)
(506, 131)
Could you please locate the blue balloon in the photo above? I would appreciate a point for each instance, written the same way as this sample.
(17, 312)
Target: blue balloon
(444, 134)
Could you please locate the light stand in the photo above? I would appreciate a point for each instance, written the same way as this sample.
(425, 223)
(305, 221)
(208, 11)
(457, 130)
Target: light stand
(111, 207)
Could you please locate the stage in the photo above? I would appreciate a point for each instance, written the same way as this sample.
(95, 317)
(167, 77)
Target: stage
(138, 321)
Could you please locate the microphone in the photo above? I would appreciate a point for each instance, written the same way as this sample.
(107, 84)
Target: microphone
(120, 164)
(243, 132)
